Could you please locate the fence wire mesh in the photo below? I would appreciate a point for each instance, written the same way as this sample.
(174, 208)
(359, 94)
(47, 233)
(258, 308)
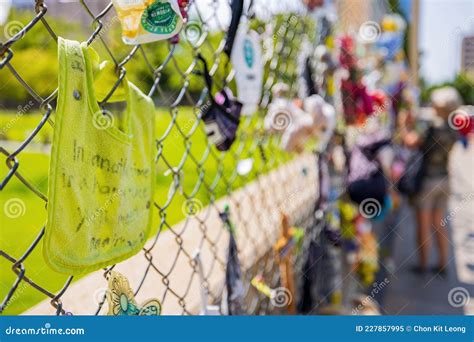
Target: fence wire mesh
(194, 179)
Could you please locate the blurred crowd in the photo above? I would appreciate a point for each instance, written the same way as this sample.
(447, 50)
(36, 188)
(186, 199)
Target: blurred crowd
(382, 151)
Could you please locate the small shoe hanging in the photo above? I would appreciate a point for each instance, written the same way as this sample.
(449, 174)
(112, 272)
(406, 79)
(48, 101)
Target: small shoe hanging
(121, 300)
(221, 114)
(146, 21)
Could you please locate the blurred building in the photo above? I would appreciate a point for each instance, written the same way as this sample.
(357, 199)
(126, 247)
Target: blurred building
(467, 54)
(353, 13)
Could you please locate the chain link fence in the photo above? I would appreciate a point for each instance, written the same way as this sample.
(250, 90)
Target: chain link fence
(194, 181)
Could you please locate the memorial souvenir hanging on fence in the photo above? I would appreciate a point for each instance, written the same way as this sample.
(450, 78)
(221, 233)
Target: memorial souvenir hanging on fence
(233, 296)
(206, 309)
(101, 176)
(146, 21)
(183, 7)
(237, 8)
(356, 102)
(121, 300)
(221, 114)
(248, 66)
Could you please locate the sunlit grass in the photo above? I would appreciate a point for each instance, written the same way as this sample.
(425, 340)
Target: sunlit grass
(17, 233)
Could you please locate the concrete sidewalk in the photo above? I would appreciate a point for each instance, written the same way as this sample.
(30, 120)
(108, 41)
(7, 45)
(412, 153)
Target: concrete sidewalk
(409, 293)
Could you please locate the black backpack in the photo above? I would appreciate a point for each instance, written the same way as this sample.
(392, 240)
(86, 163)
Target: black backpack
(374, 186)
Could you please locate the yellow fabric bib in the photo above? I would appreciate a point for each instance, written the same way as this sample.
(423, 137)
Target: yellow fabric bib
(101, 177)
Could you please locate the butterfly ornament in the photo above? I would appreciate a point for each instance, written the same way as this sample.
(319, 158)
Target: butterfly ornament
(121, 299)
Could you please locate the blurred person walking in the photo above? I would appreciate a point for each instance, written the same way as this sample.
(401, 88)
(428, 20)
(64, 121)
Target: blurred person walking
(435, 138)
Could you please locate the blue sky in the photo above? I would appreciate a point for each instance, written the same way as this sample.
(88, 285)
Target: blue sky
(443, 23)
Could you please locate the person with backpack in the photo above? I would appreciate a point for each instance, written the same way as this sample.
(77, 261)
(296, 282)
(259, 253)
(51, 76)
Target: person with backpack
(429, 192)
